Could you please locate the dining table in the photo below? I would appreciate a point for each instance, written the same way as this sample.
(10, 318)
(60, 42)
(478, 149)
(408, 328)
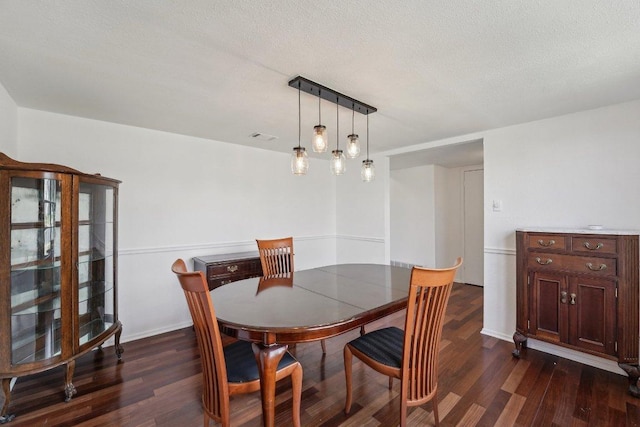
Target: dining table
(307, 305)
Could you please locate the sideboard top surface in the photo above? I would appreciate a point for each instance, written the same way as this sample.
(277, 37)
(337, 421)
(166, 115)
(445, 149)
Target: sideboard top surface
(619, 232)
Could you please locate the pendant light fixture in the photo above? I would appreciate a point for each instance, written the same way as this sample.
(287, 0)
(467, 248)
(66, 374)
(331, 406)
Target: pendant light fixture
(368, 171)
(320, 140)
(299, 158)
(320, 143)
(353, 143)
(338, 161)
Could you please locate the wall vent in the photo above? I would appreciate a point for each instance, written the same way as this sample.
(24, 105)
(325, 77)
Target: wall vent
(263, 136)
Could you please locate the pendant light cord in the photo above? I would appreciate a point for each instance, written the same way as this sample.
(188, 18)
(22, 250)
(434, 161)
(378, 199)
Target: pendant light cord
(367, 134)
(299, 117)
(337, 124)
(353, 116)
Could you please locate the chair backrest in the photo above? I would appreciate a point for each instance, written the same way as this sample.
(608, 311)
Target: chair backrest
(276, 256)
(215, 390)
(429, 293)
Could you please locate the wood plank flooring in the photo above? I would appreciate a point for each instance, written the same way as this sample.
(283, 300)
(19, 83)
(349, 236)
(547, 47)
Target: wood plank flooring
(480, 384)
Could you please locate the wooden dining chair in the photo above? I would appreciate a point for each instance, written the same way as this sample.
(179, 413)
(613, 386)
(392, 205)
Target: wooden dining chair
(410, 355)
(276, 257)
(240, 375)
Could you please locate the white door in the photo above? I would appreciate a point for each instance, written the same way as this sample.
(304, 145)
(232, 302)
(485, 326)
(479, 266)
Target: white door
(473, 266)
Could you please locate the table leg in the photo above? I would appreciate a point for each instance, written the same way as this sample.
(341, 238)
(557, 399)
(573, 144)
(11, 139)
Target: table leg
(268, 358)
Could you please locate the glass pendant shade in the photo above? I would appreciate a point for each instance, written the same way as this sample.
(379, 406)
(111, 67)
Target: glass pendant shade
(338, 162)
(320, 140)
(353, 146)
(299, 161)
(368, 171)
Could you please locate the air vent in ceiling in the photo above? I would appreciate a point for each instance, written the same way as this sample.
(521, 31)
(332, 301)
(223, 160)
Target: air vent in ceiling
(263, 136)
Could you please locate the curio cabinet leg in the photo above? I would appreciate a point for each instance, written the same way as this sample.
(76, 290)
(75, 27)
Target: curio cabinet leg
(6, 391)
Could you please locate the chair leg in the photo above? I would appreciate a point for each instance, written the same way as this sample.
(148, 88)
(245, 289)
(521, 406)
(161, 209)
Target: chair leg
(348, 360)
(434, 402)
(362, 330)
(206, 420)
(296, 385)
(390, 383)
(324, 347)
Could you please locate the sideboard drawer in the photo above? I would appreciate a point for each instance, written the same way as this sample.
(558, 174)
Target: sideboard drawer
(571, 263)
(594, 245)
(234, 267)
(542, 241)
(226, 268)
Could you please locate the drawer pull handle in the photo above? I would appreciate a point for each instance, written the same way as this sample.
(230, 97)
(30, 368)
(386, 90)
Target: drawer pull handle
(601, 267)
(232, 268)
(563, 297)
(588, 246)
(545, 262)
(573, 299)
(549, 243)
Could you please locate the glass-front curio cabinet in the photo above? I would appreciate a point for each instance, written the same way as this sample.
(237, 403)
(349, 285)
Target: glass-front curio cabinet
(58, 265)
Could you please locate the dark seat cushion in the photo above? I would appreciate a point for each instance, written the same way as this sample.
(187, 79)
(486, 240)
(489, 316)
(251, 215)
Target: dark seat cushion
(241, 363)
(384, 346)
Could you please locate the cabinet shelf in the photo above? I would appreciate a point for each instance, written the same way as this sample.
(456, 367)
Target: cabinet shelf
(30, 304)
(34, 225)
(41, 264)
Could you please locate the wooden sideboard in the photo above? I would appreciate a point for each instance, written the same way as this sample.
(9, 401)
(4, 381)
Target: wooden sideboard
(226, 268)
(580, 290)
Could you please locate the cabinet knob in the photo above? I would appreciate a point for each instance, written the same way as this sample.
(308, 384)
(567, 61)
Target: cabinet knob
(573, 299)
(548, 243)
(593, 248)
(544, 262)
(563, 297)
(591, 267)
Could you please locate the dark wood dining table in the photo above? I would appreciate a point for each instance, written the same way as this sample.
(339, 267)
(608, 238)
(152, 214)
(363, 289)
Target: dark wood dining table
(308, 305)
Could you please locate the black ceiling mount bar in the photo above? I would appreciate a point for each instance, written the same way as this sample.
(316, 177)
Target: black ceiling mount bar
(316, 89)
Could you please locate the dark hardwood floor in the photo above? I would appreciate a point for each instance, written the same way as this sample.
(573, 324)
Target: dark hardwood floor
(480, 383)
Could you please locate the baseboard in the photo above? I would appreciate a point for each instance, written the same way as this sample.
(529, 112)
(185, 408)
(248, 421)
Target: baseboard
(566, 353)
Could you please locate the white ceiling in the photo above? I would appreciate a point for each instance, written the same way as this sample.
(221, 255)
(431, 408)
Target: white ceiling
(219, 69)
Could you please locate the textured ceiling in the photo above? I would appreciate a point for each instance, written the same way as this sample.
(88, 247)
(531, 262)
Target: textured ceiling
(219, 69)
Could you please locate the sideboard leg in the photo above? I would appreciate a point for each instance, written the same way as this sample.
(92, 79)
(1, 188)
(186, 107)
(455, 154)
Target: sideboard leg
(633, 371)
(520, 342)
(69, 388)
(6, 391)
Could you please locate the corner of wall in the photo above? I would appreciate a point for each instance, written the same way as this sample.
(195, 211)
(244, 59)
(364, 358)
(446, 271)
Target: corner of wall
(8, 124)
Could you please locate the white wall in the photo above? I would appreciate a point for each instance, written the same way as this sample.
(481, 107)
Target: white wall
(449, 217)
(413, 211)
(8, 124)
(361, 215)
(439, 234)
(182, 197)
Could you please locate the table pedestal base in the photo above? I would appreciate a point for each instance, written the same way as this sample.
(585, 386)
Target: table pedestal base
(268, 358)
